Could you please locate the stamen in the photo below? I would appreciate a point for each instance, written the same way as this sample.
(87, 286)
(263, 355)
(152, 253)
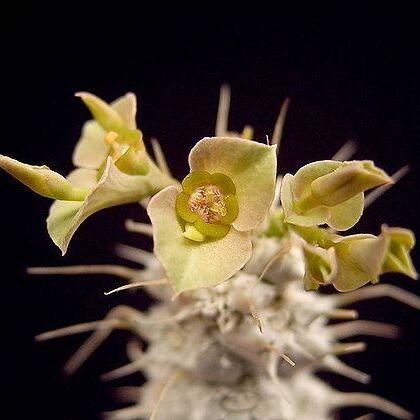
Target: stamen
(110, 137)
(208, 202)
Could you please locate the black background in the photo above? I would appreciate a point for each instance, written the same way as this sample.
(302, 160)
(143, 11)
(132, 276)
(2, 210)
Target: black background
(351, 74)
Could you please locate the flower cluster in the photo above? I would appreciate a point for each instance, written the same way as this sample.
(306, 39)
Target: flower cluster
(112, 168)
(202, 226)
(239, 246)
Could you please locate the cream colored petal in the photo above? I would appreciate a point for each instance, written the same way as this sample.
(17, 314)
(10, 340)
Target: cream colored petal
(347, 214)
(360, 258)
(114, 188)
(303, 207)
(368, 255)
(252, 167)
(286, 196)
(313, 217)
(63, 220)
(337, 239)
(400, 242)
(308, 173)
(83, 178)
(349, 277)
(91, 149)
(126, 106)
(107, 117)
(188, 264)
(348, 180)
(320, 266)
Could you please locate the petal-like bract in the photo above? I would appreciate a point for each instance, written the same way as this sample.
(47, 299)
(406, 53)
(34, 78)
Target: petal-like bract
(190, 264)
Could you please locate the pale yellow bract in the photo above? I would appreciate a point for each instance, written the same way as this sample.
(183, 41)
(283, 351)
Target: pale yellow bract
(104, 175)
(252, 168)
(329, 192)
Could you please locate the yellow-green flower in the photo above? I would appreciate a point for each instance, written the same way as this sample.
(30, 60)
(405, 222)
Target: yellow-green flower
(112, 132)
(329, 192)
(201, 232)
(320, 266)
(347, 262)
(113, 168)
(363, 258)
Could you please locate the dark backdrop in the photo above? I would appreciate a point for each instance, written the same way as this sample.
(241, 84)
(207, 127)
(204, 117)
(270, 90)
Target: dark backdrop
(348, 77)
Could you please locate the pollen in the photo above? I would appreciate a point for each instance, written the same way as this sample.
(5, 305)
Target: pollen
(110, 137)
(208, 202)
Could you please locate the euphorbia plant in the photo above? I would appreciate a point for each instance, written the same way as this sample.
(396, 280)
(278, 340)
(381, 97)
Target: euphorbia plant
(237, 250)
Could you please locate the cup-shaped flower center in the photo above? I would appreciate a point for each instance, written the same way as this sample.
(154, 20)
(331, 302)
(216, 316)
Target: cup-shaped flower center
(127, 152)
(208, 202)
(207, 205)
